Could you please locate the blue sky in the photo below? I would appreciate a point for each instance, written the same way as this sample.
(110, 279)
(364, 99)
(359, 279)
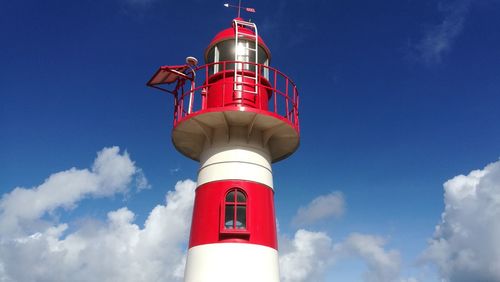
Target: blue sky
(397, 97)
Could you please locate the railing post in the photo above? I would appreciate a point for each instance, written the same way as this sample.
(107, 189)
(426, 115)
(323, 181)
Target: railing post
(275, 93)
(204, 91)
(295, 107)
(286, 99)
(176, 108)
(297, 121)
(182, 104)
(258, 69)
(190, 106)
(224, 84)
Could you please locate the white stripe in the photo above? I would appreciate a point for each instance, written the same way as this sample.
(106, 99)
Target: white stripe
(229, 262)
(235, 162)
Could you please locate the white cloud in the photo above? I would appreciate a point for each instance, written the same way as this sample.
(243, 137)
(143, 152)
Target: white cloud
(465, 245)
(309, 255)
(110, 174)
(116, 250)
(320, 208)
(141, 182)
(438, 39)
(383, 266)
(306, 257)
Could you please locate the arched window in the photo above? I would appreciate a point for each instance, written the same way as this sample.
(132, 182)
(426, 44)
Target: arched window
(235, 210)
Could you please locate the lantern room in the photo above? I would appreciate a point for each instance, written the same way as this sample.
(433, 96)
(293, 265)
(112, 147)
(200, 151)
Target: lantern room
(238, 58)
(235, 91)
(225, 48)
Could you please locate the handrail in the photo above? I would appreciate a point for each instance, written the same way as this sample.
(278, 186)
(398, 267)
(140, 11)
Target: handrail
(281, 91)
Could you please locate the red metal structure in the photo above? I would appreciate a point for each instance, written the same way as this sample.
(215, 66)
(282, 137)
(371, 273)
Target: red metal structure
(235, 115)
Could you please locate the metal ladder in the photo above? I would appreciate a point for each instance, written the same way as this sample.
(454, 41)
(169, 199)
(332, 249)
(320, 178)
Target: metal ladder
(243, 53)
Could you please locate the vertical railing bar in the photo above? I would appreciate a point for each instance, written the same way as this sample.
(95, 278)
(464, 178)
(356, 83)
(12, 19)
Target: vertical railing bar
(190, 106)
(180, 101)
(292, 111)
(286, 98)
(176, 109)
(205, 94)
(206, 69)
(224, 83)
(275, 93)
(258, 69)
(183, 111)
(184, 98)
(298, 126)
(295, 109)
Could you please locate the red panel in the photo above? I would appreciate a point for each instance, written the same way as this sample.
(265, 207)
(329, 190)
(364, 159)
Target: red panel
(206, 223)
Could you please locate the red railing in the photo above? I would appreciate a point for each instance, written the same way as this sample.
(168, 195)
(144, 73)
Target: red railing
(282, 94)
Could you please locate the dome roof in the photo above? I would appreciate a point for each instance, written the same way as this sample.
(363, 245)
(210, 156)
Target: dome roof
(229, 33)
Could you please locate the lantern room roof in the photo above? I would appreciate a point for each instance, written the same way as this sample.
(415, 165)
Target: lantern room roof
(229, 33)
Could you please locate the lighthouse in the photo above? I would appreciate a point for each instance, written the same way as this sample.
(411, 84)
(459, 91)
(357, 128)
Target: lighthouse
(235, 115)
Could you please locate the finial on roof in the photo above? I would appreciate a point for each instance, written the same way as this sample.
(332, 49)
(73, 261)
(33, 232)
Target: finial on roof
(239, 7)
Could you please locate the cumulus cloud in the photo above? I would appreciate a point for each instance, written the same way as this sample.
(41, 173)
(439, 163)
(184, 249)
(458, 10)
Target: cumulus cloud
(320, 208)
(305, 257)
(383, 266)
(465, 244)
(115, 250)
(309, 255)
(111, 174)
(439, 38)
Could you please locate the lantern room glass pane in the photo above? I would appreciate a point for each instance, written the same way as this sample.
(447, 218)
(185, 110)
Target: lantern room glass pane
(211, 56)
(225, 51)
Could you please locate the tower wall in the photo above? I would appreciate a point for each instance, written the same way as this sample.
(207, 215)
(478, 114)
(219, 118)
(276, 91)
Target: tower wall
(232, 262)
(233, 159)
(233, 153)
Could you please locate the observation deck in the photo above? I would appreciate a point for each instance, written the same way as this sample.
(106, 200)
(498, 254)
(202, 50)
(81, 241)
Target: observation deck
(213, 100)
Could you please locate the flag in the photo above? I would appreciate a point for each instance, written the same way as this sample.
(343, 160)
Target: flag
(251, 10)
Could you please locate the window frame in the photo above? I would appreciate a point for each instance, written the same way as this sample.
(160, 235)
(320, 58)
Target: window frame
(234, 232)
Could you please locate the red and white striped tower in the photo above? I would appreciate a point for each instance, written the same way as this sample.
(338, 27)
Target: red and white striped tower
(235, 115)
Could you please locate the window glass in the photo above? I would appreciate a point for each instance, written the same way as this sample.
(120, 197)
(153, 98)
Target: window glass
(230, 196)
(235, 210)
(240, 197)
(229, 217)
(241, 217)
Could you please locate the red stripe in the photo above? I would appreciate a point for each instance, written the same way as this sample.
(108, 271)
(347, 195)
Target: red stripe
(207, 224)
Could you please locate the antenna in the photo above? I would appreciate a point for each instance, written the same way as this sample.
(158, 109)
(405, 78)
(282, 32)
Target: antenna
(192, 61)
(239, 7)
